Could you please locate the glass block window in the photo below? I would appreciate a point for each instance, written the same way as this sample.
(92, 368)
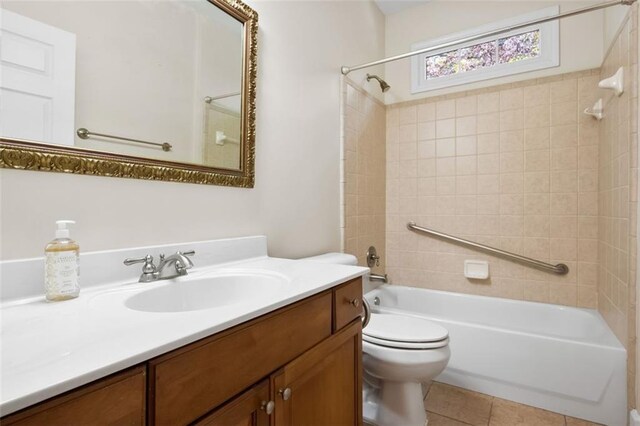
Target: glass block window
(529, 49)
(500, 51)
(477, 56)
(519, 47)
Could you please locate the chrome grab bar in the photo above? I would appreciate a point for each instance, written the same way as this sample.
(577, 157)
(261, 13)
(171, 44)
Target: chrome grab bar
(86, 134)
(560, 268)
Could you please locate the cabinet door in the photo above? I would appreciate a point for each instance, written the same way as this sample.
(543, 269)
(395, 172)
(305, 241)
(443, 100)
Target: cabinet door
(251, 408)
(324, 385)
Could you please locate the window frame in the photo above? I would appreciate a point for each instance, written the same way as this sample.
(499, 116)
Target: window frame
(549, 52)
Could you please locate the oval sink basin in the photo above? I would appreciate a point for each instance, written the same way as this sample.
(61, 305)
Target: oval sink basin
(207, 292)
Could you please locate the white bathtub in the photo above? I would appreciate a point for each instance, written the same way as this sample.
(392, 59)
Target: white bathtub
(558, 358)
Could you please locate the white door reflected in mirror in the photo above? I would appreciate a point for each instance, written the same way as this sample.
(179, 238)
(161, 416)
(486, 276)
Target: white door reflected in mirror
(37, 89)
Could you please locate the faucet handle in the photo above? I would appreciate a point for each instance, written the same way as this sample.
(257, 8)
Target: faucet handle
(184, 262)
(148, 269)
(132, 261)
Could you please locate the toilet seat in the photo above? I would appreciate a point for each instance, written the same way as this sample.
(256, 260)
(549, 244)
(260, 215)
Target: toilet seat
(404, 332)
(405, 345)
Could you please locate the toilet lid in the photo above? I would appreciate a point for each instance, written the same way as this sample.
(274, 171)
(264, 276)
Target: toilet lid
(403, 329)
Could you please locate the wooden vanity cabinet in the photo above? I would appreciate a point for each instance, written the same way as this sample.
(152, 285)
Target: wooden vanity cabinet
(298, 365)
(115, 400)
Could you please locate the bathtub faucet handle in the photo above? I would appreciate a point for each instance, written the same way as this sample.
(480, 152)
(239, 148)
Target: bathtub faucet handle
(372, 257)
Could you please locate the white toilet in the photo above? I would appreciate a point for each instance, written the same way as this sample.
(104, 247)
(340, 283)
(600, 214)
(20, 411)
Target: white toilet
(400, 353)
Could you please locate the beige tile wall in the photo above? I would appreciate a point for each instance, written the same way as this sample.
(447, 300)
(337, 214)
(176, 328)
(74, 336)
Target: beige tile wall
(513, 166)
(364, 174)
(228, 154)
(617, 173)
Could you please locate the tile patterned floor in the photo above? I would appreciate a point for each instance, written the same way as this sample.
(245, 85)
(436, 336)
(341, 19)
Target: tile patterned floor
(452, 406)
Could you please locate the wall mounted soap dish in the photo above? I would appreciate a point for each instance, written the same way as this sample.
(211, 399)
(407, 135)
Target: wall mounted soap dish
(615, 82)
(596, 111)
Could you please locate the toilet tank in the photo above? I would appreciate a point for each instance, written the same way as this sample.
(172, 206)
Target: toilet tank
(344, 259)
(334, 258)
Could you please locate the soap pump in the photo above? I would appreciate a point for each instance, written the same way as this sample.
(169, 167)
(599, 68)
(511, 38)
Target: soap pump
(62, 265)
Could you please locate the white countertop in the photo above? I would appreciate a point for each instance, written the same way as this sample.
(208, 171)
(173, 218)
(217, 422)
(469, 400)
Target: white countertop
(51, 347)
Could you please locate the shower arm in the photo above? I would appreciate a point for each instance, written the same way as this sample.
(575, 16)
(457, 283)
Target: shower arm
(346, 70)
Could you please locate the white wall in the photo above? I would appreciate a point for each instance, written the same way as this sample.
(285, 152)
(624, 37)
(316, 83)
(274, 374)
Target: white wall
(613, 18)
(301, 47)
(580, 38)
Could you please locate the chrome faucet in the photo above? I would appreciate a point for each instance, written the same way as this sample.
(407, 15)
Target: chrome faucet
(180, 263)
(169, 267)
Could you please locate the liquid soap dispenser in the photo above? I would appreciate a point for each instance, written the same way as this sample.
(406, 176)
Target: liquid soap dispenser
(62, 265)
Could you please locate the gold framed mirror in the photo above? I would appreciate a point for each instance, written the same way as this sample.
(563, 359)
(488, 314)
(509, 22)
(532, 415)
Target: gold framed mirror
(152, 90)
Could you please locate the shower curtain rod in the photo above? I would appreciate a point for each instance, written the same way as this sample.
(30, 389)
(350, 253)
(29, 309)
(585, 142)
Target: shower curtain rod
(346, 70)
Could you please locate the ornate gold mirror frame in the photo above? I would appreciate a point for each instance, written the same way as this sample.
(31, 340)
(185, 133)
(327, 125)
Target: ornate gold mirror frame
(28, 155)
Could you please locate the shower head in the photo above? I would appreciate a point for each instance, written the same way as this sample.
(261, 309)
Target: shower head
(383, 84)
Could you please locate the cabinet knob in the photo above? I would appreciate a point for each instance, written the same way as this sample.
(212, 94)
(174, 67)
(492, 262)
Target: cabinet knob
(268, 407)
(355, 302)
(285, 393)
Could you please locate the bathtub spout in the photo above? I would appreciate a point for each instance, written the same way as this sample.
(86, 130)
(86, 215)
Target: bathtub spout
(377, 277)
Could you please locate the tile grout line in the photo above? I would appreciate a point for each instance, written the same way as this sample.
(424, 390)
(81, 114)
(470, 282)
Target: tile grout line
(450, 418)
(493, 398)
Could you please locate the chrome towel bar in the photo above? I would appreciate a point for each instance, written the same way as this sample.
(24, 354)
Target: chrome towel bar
(86, 134)
(560, 268)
